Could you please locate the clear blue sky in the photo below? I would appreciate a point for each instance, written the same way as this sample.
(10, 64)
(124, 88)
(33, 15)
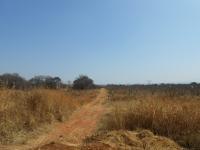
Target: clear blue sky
(112, 41)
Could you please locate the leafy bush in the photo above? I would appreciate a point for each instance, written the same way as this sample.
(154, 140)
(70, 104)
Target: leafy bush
(83, 82)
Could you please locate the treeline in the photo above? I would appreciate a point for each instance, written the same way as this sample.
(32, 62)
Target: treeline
(15, 81)
(171, 90)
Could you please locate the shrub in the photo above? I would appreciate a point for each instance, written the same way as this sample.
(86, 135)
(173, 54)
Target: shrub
(83, 82)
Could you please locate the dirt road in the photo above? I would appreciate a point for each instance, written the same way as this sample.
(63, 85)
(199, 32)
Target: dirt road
(70, 134)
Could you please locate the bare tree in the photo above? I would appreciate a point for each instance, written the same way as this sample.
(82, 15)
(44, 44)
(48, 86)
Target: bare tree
(13, 81)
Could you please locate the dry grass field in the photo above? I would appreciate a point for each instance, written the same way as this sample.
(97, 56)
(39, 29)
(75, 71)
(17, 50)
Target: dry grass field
(22, 112)
(133, 118)
(171, 115)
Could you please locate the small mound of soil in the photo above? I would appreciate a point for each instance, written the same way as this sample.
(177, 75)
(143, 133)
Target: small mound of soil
(56, 146)
(129, 140)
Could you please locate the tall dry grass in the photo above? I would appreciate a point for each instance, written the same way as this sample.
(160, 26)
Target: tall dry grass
(177, 118)
(24, 111)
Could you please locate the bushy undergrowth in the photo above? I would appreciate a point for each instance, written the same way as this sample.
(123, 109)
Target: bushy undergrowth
(174, 117)
(24, 111)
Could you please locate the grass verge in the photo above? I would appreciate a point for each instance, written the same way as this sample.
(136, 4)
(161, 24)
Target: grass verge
(22, 112)
(177, 118)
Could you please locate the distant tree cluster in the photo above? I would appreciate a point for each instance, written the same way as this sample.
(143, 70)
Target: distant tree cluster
(15, 81)
(46, 82)
(83, 82)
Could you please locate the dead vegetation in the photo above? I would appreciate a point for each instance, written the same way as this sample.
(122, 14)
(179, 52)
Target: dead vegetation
(129, 140)
(22, 112)
(176, 117)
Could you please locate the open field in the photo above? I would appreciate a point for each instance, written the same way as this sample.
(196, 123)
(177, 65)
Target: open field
(112, 118)
(171, 114)
(23, 112)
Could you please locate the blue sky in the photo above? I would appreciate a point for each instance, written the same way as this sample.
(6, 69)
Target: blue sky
(112, 41)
